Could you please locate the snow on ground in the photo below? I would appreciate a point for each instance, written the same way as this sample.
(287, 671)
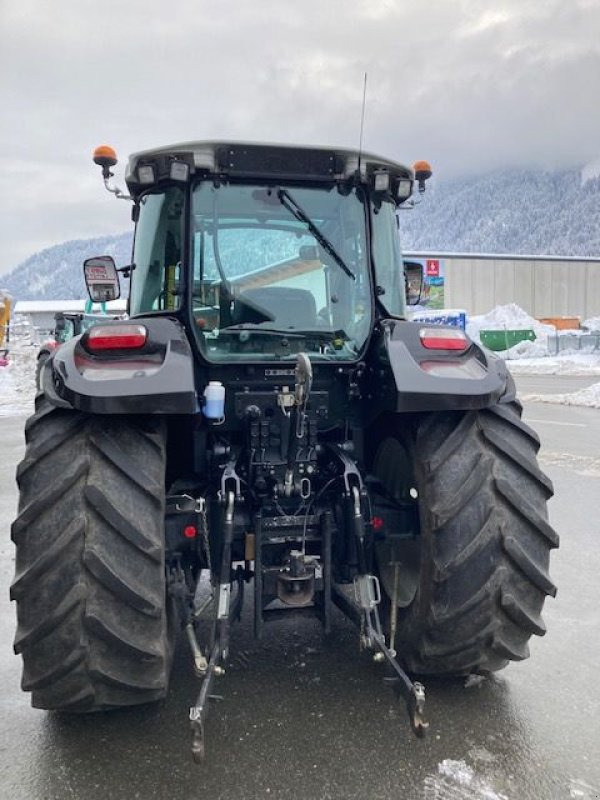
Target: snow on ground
(17, 380)
(459, 781)
(533, 358)
(510, 317)
(589, 396)
(591, 324)
(565, 364)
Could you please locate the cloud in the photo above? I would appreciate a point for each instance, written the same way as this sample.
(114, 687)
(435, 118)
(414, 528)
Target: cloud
(467, 86)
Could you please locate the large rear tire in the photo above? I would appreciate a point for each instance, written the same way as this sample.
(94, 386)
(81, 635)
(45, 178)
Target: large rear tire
(90, 575)
(475, 589)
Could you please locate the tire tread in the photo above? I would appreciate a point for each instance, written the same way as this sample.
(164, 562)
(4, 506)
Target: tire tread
(486, 543)
(89, 580)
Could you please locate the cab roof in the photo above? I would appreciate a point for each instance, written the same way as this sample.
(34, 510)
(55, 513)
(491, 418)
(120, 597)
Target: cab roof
(264, 160)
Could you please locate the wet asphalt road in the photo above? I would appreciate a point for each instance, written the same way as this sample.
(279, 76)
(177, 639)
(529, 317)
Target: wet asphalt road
(308, 717)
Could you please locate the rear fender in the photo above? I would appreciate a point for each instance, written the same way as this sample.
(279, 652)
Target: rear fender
(155, 379)
(435, 380)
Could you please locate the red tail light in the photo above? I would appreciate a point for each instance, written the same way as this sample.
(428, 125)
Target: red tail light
(116, 337)
(443, 339)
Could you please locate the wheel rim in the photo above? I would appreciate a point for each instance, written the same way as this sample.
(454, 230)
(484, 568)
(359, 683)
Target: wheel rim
(398, 560)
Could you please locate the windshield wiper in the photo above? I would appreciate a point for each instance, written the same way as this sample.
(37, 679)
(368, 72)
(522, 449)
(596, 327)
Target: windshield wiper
(286, 200)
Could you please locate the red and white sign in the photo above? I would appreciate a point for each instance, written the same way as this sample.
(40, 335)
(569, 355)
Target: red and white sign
(432, 268)
(98, 272)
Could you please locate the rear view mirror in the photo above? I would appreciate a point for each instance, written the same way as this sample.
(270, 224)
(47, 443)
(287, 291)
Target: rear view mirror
(101, 279)
(413, 276)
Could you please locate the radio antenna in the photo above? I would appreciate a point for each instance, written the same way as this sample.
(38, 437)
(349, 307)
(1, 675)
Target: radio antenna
(362, 122)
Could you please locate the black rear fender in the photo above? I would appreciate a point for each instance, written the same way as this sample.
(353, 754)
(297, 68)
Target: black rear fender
(439, 379)
(157, 378)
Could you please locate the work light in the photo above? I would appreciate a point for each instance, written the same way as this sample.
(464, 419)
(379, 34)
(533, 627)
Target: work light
(180, 171)
(146, 174)
(404, 189)
(382, 181)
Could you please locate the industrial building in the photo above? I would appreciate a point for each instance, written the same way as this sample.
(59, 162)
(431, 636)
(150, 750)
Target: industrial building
(544, 286)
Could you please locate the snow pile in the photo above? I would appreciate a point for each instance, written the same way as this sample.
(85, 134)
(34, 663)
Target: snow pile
(526, 350)
(534, 357)
(458, 780)
(510, 317)
(590, 397)
(591, 324)
(513, 317)
(564, 364)
(17, 380)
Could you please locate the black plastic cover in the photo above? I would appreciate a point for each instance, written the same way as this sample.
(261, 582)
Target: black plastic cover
(476, 379)
(156, 379)
(278, 162)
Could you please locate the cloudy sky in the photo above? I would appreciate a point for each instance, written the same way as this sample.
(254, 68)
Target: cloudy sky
(470, 85)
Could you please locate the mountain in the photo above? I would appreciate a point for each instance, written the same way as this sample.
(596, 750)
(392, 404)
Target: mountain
(507, 211)
(57, 272)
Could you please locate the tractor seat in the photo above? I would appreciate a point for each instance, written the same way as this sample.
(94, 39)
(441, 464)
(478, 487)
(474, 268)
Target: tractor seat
(281, 306)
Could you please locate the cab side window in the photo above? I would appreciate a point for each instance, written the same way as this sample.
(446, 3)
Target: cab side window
(155, 282)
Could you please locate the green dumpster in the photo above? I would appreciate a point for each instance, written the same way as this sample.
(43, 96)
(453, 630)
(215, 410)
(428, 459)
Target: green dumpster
(503, 340)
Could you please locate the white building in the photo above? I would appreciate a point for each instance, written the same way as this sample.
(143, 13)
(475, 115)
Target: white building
(40, 313)
(545, 286)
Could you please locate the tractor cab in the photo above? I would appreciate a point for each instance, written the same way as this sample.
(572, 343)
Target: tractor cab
(264, 252)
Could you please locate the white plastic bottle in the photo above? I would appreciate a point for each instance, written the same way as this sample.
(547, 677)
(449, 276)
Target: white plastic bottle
(214, 400)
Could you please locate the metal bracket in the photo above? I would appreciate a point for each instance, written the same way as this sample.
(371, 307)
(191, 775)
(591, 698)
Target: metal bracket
(118, 193)
(351, 471)
(220, 644)
(365, 615)
(368, 594)
(200, 662)
(230, 476)
(199, 712)
(185, 504)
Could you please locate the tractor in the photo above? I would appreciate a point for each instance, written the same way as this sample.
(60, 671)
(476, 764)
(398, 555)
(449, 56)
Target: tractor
(267, 423)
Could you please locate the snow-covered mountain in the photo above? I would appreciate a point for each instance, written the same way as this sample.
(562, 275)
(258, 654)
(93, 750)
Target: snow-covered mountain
(57, 272)
(508, 211)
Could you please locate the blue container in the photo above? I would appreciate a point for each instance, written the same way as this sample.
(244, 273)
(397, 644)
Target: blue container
(457, 319)
(214, 400)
